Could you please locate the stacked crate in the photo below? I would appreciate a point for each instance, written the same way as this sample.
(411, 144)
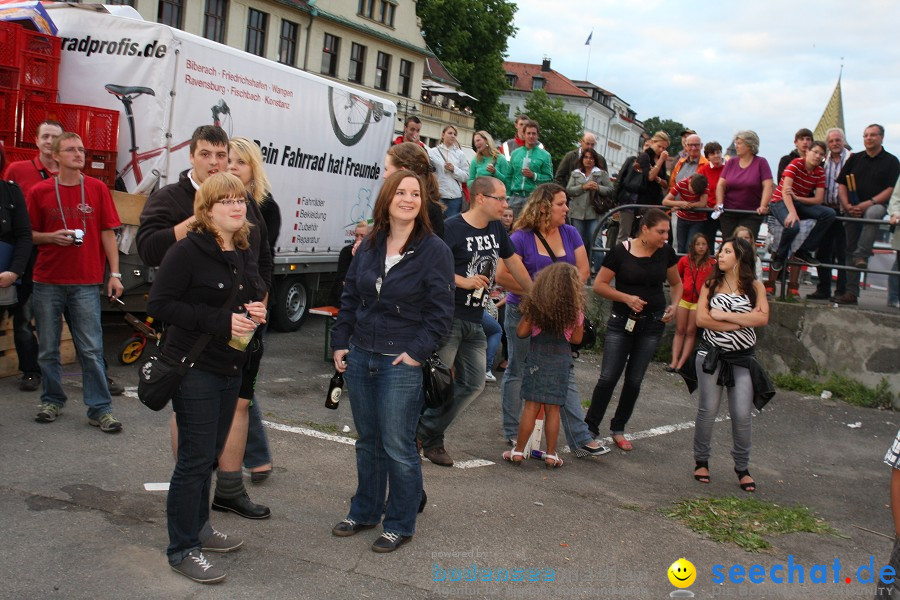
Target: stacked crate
(29, 75)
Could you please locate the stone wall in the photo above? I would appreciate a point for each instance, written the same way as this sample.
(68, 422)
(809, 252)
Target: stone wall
(815, 340)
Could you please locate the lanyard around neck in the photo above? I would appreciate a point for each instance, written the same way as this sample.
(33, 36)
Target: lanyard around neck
(83, 208)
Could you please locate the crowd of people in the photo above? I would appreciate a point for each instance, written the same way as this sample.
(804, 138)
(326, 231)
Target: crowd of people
(459, 259)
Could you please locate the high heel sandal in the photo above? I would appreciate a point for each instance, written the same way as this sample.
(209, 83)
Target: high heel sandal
(749, 486)
(553, 461)
(510, 456)
(701, 464)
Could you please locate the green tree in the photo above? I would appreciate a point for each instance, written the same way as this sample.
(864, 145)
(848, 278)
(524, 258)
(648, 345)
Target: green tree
(560, 130)
(469, 36)
(673, 128)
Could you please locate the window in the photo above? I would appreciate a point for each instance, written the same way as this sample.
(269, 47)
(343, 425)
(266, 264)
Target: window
(330, 55)
(367, 8)
(378, 10)
(537, 83)
(357, 62)
(214, 20)
(287, 46)
(382, 70)
(511, 80)
(121, 2)
(406, 69)
(171, 13)
(257, 24)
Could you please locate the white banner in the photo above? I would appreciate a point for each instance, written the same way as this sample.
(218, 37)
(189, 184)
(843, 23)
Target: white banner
(323, 143)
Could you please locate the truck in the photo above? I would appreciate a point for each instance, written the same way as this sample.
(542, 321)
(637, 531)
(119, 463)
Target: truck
(323, 143)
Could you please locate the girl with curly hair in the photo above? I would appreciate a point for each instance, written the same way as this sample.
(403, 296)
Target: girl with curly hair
(553, 317)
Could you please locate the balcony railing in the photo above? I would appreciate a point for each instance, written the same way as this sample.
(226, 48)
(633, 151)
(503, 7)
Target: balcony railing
(447, 116)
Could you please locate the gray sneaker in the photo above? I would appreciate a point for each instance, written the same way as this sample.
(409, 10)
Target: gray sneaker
(196, 567)
(48, 412)
(107, 423)
(219, 542)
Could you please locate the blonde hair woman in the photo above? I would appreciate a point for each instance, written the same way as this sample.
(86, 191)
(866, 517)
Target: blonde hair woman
(488, 161)
(246, 162)
(190, 292)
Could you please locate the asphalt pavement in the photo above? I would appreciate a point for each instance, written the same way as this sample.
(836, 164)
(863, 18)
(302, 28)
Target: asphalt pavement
(77, 521)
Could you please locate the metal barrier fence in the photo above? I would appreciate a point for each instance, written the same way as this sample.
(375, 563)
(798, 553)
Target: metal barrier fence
(782, 277)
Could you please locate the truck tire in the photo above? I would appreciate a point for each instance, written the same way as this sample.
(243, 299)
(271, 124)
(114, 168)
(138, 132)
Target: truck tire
(291, 304)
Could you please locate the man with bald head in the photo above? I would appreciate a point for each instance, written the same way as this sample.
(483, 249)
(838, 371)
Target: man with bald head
(570, 160)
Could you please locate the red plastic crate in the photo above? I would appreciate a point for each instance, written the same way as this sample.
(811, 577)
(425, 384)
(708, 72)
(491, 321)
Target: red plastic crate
(9, 78)
(98, 127)
(35, 42)
(38, 70)
(102, 165)
(29, 94)
(14, 154)
(8, 105)
(9, 44)
(8, 139)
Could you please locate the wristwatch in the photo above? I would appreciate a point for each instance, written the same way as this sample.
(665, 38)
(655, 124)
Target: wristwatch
(116, 275)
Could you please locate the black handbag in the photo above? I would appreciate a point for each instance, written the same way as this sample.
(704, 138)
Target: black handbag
(589, 336)
(160, 377)
(437, 382)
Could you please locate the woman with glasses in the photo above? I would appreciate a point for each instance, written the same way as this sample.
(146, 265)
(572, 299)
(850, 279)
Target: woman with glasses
(194, 283)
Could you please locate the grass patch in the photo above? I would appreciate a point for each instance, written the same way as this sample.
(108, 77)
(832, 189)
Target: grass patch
(842, 387)
(745, 521)
(323, 427)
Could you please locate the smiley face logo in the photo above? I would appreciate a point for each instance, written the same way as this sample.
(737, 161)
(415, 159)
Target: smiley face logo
(682, 573)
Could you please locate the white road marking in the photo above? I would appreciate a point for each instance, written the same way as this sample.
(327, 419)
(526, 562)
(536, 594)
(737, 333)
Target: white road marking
(157, 487)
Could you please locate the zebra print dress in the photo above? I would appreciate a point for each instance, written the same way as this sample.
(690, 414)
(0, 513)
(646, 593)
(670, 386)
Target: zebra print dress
(731, 340)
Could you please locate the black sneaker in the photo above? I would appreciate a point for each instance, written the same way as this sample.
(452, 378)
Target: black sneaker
(388, 542)
(777, 263)
(30, 382)
(805, 258)
(586, 450)
(196, 567)
(349, 527)
(115, 389)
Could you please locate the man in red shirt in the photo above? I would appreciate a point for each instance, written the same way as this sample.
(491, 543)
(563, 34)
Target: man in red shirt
(28, 173)
(72, 221)
(411, 128)
(793, 200)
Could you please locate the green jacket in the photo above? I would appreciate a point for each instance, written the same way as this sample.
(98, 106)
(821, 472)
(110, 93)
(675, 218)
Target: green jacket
(478, 168)
(539, 163)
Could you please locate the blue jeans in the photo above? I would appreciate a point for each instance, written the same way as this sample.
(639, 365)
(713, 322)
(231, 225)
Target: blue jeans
(257, 452)
(466, 349)
(204, 408)
(628, 352)
(516, 203)
(587, 229)
(494, 334)
(83, 305)
(571, 415)
(685, 230)
(823, 215)
(23, 335)
(454, 206)
(894, 282)
(386, 401)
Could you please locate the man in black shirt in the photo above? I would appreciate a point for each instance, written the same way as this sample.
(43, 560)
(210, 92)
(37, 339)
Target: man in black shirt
(478, 240)
(874, 174)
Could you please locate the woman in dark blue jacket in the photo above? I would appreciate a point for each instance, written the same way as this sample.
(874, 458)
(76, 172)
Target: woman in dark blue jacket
(396, 307)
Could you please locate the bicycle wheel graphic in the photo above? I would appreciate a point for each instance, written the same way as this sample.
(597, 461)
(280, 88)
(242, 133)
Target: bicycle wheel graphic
(351, 114)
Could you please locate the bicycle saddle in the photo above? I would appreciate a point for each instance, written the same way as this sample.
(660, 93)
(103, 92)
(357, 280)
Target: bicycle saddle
(128, 90)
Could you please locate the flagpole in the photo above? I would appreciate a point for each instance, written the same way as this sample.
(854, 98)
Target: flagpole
(588, 68)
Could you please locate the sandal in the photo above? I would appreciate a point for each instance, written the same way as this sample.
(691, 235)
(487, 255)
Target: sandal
(701, 464)
(622, 443)
(510, 456)
(553, 461)
(749, 486)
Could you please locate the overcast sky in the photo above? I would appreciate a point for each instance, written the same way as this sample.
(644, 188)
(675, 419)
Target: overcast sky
(719, 67)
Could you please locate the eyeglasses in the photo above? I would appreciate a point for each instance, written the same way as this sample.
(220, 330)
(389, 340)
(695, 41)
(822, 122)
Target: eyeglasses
(693, 145)
(498, 198)
(233, 201)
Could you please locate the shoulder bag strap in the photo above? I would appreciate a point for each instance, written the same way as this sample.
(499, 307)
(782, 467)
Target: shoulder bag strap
(546, 245)
(204, 339)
